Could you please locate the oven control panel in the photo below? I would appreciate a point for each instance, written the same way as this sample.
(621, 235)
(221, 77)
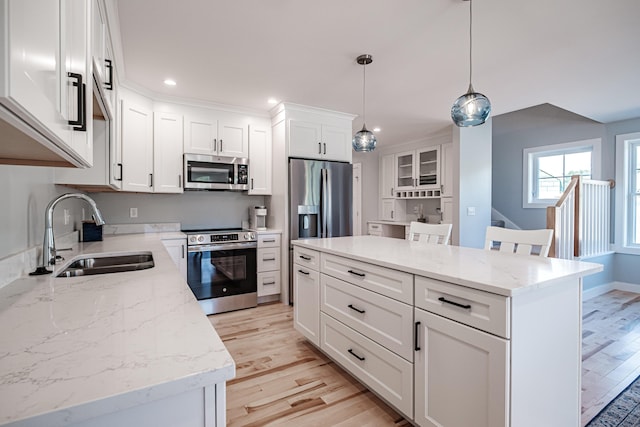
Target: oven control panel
(202, 239)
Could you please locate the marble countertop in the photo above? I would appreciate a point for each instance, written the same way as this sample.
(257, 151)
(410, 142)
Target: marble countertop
(385, 221)
(75, 348)
(491, 271)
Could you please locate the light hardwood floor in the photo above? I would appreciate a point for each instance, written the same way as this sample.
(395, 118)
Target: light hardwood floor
(610, 348)
(283, 380)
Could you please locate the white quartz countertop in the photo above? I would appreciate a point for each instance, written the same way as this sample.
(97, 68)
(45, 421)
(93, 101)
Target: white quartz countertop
(75, 348)
(491, 271)
(388, 222)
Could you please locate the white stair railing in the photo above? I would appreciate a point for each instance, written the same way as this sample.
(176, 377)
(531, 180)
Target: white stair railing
(581, 219)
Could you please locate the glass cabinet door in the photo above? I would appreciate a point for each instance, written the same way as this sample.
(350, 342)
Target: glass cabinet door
(404, 173)
(428, 167)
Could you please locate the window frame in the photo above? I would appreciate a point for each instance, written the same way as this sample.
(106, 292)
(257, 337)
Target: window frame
(529, 154)
(624, 179)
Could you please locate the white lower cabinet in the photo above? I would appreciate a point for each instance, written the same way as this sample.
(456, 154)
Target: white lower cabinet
(461, 375)
(268, 264)
(381, 370)
(306, 294)
(177, 249)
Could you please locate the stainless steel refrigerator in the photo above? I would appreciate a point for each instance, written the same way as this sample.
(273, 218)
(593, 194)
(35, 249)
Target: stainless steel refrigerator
(320, 202)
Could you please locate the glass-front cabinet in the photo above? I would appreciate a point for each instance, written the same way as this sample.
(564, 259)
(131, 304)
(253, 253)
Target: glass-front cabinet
(418, 169)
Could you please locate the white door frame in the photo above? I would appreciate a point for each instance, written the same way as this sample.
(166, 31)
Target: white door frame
(357, 199)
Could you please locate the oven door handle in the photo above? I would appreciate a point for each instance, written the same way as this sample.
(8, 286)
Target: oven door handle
(222, 247)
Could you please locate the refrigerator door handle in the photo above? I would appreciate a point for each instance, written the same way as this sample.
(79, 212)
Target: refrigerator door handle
(323, 203)
(328, 208)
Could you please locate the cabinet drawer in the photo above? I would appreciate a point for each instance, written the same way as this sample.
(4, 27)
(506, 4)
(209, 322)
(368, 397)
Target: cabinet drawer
(382, 371)
(268, 240)
(268, 259)
(483, 310)
(392, 283)
(306, 257)
(375, 233)
(384, 320)
(269, 283)
(374, 227)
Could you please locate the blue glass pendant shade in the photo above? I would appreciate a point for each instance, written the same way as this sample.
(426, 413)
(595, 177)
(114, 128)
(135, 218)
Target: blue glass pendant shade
(471, 109)
(364, 140)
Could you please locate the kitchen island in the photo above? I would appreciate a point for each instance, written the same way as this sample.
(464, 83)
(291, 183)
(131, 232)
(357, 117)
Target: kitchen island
(449, 336)
(128, 348)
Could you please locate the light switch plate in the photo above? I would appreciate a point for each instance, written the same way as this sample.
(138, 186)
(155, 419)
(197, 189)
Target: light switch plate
(471, 211)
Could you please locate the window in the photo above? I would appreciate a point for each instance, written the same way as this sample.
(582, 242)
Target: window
(628, 192)
(548, 170)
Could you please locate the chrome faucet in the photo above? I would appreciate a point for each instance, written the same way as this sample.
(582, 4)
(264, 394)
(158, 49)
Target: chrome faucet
(48, 246)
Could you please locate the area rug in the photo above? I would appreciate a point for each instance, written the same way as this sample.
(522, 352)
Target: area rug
(623, 411)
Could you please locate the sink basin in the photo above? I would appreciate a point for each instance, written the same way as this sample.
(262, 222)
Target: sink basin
(108, 263)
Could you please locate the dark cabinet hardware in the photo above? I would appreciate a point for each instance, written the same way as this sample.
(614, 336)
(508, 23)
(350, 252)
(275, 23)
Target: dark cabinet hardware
(81, 123)
(356, 273)
(221, 145)
(120, 166)
(150, 180)
(215, 144)
(356, 309)
(271, 241)
(465, 306)
(182, 251)
(303, 272)
(416, 337)
(325, 148)
(179, 181)
(252, 183)
(355, 355)
(319, 147)
(109, 66)
(268, 259)
(306, 258)
(269, 283)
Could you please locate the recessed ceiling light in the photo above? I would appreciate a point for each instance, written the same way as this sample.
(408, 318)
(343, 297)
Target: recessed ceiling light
(272, 101)
(376, 129)
(170, 82)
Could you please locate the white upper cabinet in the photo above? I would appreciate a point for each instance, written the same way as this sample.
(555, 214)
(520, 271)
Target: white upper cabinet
(387, 176)
(446, 170)
(312, 140)
(260, 160)
(44, 85)
(137, 148)
(418, 169)
(204, 134)
(167, 153)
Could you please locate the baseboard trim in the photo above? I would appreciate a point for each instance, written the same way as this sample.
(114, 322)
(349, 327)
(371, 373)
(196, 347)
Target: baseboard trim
(604, 288)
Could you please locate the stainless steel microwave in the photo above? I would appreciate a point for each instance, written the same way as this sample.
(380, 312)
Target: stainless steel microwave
(203, 172)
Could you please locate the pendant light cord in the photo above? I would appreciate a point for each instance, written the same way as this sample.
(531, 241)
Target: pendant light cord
(364, 91)
(470, 41)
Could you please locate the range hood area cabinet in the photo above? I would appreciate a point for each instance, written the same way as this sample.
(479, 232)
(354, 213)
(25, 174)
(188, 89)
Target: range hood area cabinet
(45, 84)
(215, 136)
(260, 159)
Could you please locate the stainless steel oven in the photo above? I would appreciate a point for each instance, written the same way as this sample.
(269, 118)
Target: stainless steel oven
(203, 172)
(221, 269)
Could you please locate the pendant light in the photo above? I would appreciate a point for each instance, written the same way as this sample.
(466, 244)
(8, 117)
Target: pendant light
(472, 108)
(364, 140)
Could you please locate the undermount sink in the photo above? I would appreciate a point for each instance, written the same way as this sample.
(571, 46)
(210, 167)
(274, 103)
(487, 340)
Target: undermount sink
(108, 263)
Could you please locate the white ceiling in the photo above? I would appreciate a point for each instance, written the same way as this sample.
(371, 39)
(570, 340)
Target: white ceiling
(580, 55)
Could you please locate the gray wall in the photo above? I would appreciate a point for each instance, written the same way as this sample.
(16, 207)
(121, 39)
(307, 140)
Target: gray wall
(193, 209)
(533, 127)
(25, 193)
(370, 197)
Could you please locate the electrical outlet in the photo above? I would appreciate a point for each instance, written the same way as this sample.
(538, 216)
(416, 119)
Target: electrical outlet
(133, 212)
(416, 210)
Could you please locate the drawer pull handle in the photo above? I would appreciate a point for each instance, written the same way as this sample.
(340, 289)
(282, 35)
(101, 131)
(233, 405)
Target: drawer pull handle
(416, 337)
(268, 259)
(356, 273)
(269, 241)
(356, 309)
(268, 283)
(303, 272)
(465, 306)
(306, 258)
(355, 355)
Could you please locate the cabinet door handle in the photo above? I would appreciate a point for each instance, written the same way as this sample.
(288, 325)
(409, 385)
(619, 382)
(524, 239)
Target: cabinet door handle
(319, 147)
(416, 337)
(303, 272)
(221, 146)
(325, 148)
(81, 123)
(252, 183)
(182, 251)
(306, 258)
(215, 144)
(272, 241)
(391, 191)
(109, 66)
(465, 306)
(150, 180)
(356, 273)
(356, 309)
(268, 259)
(179, 181)
(120, 166)
(391, 214)
(268, 283)
(355, 355)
